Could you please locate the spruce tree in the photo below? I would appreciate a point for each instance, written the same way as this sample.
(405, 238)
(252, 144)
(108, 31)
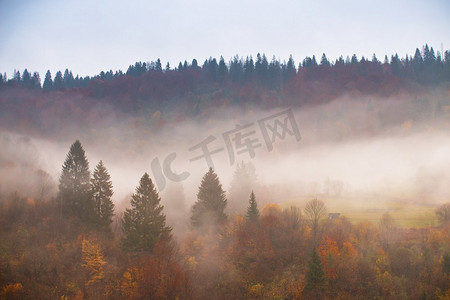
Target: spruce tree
(242, 183)
(101, 193)
(324, 61)
(74, 185)
(145, 222)
(68, 79)
(290, 68)
(212, 68)
(315, 277)
(35, 82)
(236, 69)
(249, 68)
(194, 64)
(211, 202)
(252, 210)
(58, 81)
(17, 76)
(26, 78)
(158, 66)
(222, 69)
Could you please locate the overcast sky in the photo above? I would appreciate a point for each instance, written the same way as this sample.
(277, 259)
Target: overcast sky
(90, 36)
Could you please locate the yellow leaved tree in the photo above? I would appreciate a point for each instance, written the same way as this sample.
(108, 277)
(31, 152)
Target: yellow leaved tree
(93, 260)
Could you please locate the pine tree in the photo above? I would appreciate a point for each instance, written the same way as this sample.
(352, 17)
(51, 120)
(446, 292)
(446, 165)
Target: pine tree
(252, 210)
(249, 68)
(242, 183)
(35, 82)
(236, 69)
(145, 222)
(427, 56)
(211, 202)
(213, 68)
(58, 81)
(395, 64)
(180, 67)
(374, 59)
(17, 76)
(290, 68)
(158, 66)
(74, 186)
(194, 64)
(68, 79)
(222, 69)
(418, 59)
(315, 277)
(26, 78)
(261, 68)
(324, 61)
(273, 75)
(101, 193)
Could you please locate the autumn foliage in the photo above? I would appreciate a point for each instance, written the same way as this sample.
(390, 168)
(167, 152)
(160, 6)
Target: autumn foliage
(269, 257)
(50, 248)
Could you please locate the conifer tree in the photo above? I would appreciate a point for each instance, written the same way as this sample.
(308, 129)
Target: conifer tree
(212, 68)
(243, 182)
(194, 64)
(324, 61)
(236, 69)
(252, 210)
(26, 78)
(315, 277)
(211, 202)
(35, 82)
(222, 69)
(158, 66)
(290, 68)
(58, 81)
(17, 76)
(249, 68)
(67, 79)
(74, 186)
(101, 193)
(144, 223)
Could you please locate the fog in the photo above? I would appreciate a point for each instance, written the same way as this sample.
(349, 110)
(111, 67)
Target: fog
(355, 149)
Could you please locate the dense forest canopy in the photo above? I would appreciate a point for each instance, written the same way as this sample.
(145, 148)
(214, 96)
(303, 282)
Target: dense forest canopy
(424, 67)
(149, 91)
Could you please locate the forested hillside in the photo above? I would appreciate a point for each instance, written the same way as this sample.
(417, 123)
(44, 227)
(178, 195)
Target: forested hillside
(147, 90)
(87, 233)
